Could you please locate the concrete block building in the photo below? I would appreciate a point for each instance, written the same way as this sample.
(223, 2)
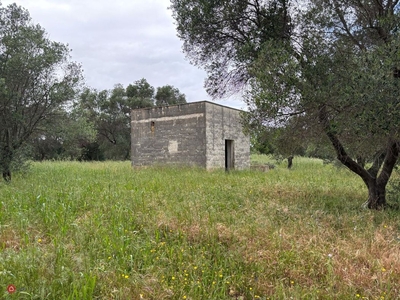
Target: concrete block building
(199, 133)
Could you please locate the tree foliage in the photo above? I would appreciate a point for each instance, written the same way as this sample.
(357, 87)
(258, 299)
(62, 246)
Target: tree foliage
(109, 111)
(169, 95)
(140, 94)
(63, 136)
(332, 74)
(36, 79)
(225, 37)
(340, 81)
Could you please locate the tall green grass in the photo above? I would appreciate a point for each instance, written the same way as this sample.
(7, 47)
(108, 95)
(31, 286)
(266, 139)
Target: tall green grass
(74, 230)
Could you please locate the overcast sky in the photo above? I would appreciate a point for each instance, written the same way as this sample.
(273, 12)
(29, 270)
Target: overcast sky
(122, 41)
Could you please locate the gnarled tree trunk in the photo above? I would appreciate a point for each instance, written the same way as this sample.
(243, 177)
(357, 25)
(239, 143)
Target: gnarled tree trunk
(5, 163)
(377, 176)
(290, 161)
(7, 175)
(376, 195)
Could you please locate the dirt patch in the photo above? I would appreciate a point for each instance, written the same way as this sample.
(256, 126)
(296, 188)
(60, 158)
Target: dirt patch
(10, 239)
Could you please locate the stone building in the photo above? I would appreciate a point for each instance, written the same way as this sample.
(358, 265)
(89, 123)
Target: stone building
(199, 133)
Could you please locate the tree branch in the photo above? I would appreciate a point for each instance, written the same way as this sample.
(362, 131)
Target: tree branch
(347, 29)
(342, 155)
(296, 113)
(392, 154)
(378, 159)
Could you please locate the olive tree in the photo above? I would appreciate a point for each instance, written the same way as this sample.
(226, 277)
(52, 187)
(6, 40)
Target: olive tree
(328, 69)
(225, 37)
(109, 111)
(169, 95)
(36, 79)
(340, 79)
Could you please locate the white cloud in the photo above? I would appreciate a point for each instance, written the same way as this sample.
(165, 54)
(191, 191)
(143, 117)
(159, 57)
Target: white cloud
(121, 41)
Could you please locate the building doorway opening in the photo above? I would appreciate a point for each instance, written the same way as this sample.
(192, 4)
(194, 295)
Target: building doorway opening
(229, 155)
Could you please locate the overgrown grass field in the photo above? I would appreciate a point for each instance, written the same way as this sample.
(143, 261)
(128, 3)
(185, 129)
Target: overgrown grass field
(74, 230)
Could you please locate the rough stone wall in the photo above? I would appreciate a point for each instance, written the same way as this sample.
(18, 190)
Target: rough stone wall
(171, 134)
(190, 134)
(223, 123)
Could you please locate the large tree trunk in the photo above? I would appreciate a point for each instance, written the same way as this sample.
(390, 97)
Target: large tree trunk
(7, 175)
(6, 159)
(290, 162)
(378, 175)
(376, 195)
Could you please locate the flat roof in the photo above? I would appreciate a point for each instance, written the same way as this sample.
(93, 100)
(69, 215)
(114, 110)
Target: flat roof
(188, 103)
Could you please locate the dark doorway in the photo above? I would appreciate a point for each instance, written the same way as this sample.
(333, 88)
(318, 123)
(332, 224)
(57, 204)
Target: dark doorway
(229, 155)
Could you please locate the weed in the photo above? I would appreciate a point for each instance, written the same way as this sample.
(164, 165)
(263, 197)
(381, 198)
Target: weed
(74, 230)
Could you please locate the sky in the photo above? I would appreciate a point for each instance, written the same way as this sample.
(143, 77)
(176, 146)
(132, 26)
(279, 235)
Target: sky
(122, 41)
